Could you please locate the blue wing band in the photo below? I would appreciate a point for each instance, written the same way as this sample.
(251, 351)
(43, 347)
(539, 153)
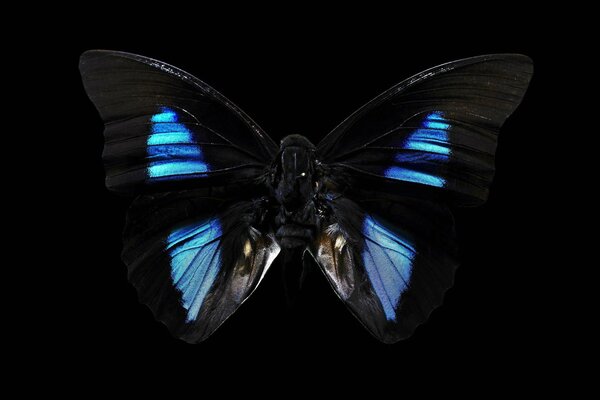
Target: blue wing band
(431, 142)
(388, 260)
(171, 148)
(195, 262)
(390, 272)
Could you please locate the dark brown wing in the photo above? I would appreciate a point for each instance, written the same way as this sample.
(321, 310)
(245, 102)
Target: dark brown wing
(434, 134)
(166, 129)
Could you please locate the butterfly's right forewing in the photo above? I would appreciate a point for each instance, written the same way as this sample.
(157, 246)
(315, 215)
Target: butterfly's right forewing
(166, 129)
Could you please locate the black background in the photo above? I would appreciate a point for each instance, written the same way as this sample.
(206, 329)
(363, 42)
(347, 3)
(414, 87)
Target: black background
(306, 82)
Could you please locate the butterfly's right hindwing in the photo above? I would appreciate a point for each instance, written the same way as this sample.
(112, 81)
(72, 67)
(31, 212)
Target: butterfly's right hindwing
(390, 262)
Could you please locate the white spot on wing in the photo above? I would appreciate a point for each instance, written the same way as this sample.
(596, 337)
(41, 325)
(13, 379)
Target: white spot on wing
(340, 242)
(247, 249)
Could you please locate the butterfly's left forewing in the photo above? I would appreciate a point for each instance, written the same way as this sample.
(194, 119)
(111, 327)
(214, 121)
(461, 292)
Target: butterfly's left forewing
(432, 135)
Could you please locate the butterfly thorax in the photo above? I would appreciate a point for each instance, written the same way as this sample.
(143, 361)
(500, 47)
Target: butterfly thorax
(293, 184)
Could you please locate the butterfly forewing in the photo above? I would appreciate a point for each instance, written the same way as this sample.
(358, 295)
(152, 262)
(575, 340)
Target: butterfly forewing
(166, 129)
(435, 133)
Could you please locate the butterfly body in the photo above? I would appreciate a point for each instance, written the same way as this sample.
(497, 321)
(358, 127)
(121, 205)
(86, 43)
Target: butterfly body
(217, 200)
(294, 185)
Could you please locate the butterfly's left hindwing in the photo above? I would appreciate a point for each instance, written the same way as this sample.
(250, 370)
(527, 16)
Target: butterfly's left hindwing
(194, 268)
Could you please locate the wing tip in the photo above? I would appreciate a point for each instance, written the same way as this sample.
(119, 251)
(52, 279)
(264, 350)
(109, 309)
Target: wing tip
(92, 54)
(89, 56)
(499, 56)
(518, 59)
(523, 60)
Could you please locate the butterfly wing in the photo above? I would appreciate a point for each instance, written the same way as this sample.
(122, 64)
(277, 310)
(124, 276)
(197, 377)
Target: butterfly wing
(195, 259)
(387, 244)
(194, 244)
(434, 134)
(391, 271)
(166, 129)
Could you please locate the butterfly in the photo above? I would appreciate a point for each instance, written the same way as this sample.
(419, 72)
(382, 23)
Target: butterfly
(217, 200)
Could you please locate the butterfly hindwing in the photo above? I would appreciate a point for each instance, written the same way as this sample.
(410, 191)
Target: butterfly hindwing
(166, 129)
(392, 264)
(194, 268)
(434, 134)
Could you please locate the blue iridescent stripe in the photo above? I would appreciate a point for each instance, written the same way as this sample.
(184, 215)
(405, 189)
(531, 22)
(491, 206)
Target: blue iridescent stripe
(432, 139)
(195, 262)
(408, 175)
(388, 260)
(171, 147)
